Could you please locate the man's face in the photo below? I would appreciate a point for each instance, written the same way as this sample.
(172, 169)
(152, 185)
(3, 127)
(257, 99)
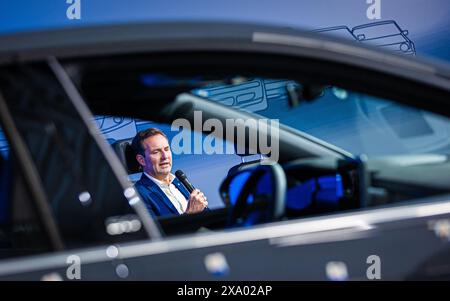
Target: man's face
(157, 161)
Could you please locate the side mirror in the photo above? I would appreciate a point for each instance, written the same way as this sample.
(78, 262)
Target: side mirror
(405, 32)
(255, 195)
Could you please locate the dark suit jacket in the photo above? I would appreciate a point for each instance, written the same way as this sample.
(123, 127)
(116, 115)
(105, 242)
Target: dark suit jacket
(155, 199)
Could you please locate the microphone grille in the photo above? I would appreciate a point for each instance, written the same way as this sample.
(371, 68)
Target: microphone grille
(180, 174)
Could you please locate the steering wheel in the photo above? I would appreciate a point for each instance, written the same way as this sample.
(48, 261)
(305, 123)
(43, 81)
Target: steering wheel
(272, 205)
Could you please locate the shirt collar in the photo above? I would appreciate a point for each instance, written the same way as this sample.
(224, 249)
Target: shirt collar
(159, 182)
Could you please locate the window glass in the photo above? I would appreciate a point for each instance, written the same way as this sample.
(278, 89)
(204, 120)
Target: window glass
(83, 191)
(352, 121)
(21, 232)
(205, 171)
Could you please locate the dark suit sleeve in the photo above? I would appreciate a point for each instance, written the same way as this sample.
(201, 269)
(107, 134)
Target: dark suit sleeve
(146, 199)
(150, 210)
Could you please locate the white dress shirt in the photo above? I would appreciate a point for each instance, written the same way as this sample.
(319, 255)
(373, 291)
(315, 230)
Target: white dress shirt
(175, 196)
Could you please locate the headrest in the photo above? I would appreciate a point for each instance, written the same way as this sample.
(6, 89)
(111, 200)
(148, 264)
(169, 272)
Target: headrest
(126, 155)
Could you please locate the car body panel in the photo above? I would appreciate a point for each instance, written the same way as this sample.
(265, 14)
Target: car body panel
(301, 248)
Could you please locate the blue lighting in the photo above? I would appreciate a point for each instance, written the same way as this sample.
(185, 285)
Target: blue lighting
(325, 189)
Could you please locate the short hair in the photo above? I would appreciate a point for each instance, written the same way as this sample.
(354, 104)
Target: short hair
(136, 144)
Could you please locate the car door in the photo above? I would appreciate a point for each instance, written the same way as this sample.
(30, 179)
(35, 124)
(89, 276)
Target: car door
(60, 191)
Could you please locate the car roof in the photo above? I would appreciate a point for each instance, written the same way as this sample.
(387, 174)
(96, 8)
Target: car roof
(104, 40)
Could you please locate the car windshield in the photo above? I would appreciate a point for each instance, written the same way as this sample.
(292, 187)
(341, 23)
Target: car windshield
(355, 122)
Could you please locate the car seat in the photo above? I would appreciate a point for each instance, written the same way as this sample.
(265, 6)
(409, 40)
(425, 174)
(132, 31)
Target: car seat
(127, 156)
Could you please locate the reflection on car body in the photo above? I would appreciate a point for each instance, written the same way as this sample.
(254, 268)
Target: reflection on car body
(385, 34)
(420, 131)
(117, 127)
(3, 145)
(250, 95)
(338, 31)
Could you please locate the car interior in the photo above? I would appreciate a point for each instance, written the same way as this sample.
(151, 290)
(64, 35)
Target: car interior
(311, 177)
(314, 186)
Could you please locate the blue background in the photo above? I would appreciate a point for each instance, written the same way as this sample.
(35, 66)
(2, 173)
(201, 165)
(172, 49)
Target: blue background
(428, 21)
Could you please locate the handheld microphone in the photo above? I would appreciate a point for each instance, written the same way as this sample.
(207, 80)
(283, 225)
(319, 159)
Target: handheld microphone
(184, 180)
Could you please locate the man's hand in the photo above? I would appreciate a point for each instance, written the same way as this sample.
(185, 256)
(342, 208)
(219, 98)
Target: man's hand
(197, 202)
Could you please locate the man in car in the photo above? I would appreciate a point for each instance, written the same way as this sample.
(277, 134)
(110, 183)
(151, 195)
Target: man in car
(161, 191)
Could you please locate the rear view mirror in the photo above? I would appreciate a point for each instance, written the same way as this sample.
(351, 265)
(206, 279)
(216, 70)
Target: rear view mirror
(305, 92)
(255, 195)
